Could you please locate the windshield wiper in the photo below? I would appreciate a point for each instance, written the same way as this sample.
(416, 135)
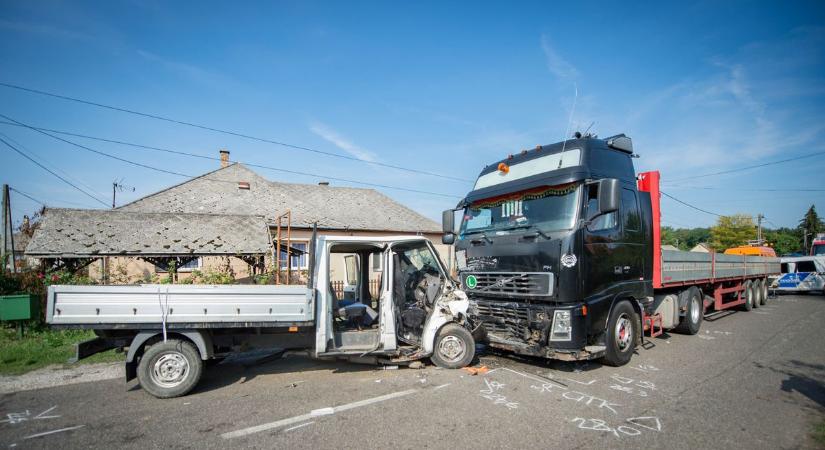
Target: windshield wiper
(537, 229)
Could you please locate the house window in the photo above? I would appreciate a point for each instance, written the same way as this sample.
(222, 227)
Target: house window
(195, 264)
(297, 262)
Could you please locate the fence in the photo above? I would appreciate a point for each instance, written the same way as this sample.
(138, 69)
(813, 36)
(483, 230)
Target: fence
(338, 287)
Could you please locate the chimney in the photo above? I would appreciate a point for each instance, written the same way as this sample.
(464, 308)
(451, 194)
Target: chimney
(224, 157)
(323, 183)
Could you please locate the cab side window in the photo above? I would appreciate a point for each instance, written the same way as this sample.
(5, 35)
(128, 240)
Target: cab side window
(607, 221)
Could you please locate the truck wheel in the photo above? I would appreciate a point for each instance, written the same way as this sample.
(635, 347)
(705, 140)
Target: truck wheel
(692, 321)
(623, 332)
(170, 369)
(454, 347)
(748, 293)
(757, 293)
(763, 284)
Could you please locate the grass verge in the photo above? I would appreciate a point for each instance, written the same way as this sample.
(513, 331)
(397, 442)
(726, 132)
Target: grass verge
(819, 434)
(41, 347)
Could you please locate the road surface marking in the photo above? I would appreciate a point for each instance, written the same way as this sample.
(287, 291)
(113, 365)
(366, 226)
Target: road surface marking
(53, 432)
(298, 426)
(305, 417)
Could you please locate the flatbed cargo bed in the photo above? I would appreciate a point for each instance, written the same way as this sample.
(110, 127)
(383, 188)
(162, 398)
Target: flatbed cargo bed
(680, 268)
(196, 306)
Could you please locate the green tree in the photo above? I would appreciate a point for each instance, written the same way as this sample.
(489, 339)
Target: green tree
(783, 240)
(732, 231)
(810, 225)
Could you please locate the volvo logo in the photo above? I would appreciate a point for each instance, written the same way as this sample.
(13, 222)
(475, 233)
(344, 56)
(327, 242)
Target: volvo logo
(568, 260)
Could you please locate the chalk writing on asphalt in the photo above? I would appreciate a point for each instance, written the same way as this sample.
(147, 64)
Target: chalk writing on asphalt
(491, 393)
(635, 427)
(576, 396)
(15, 418)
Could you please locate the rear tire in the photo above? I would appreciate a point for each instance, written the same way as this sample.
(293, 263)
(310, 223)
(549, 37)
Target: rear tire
(622, 334)
(454, 347)
(748, 293)
(170, 369)
(763, 284)
(694, 314)
(757, 293)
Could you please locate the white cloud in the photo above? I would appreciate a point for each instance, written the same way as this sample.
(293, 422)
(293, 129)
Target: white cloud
(556, 64)
(336, 139)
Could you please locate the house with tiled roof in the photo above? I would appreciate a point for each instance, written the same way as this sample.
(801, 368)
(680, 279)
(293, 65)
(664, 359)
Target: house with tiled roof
(228, 218)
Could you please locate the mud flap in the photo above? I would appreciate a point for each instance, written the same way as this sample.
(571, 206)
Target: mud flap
(131, 371)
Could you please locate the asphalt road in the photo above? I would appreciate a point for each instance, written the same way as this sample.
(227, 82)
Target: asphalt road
(748, 380)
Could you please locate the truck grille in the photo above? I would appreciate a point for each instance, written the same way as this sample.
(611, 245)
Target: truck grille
(507, 318)
(508, 284)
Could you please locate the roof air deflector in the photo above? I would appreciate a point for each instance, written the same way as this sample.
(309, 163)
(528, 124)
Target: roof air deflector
(620, 142)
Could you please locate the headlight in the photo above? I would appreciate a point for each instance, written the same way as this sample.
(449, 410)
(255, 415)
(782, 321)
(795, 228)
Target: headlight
(561, 326)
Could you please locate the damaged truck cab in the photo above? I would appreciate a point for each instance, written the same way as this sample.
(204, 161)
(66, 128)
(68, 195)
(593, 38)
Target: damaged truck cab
(552, 250)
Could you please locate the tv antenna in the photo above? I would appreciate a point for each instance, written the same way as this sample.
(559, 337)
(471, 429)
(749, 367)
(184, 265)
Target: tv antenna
(118, 186)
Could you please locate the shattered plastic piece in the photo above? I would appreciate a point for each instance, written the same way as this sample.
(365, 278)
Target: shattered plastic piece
(416, 365)
(477, 370)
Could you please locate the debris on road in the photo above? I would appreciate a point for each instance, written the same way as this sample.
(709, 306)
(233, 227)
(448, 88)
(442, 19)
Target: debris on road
(477, 370)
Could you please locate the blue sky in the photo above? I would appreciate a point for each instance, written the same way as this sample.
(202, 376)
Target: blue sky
(701, 87)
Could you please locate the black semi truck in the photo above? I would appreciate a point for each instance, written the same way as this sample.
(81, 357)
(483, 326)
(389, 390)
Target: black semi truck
(559, 252)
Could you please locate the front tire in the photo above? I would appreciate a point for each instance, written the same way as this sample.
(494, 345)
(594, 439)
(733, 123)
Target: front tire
(454, 347)
(622, 335)
(170, 369)
(692, 321)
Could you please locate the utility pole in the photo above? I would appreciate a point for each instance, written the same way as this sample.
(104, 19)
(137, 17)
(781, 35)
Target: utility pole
(8, 232)
(759, 218)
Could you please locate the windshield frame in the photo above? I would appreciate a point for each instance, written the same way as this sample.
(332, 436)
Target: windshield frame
(576, 210)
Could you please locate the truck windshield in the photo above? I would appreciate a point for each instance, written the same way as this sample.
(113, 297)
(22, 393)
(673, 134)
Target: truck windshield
(548, 208)
(818, 249)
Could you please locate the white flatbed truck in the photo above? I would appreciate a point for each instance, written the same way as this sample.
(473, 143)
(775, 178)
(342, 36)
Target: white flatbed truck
(171, 330)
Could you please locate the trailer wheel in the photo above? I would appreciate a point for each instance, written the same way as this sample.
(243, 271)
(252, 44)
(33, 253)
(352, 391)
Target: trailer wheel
(748, 293)
(692, 321)
(763, 285)
(757, 293)
(454, 347)
(170, 369)
(623, 333)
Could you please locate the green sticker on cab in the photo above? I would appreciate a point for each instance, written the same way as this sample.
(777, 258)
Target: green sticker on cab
(471, 282)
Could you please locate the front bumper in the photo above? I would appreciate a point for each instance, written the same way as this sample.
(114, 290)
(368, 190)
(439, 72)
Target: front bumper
(526, 328)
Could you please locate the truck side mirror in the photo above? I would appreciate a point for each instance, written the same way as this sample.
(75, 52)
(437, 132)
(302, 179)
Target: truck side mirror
(448, 226)
(608, 195)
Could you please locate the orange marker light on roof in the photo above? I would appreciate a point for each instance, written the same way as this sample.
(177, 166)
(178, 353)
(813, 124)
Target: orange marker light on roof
(503, 168)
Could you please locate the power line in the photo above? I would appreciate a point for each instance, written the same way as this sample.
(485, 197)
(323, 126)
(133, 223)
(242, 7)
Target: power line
(171, 172)
(278, 169)
(750, 190)
(231, 133)
(27, 196)
(794, 158)
(55, 168)
(689, 205)
(51, 172)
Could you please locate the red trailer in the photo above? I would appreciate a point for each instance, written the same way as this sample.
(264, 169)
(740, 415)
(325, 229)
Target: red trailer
(717, 281)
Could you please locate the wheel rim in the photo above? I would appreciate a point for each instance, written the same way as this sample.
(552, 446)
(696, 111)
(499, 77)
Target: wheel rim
(695, 310)
(170, 370)
(623, 332)
(451, 348)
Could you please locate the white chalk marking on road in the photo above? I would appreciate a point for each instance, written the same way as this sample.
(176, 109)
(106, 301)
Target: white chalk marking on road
(305, 417)
(441, 386)
(540, 380)
(53, 432)
(576, 381)
(298, 426)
